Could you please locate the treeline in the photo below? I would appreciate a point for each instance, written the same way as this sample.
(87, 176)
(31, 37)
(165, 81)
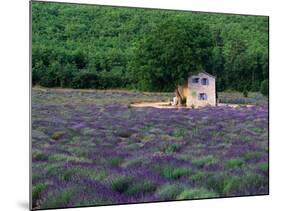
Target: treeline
(87, 46)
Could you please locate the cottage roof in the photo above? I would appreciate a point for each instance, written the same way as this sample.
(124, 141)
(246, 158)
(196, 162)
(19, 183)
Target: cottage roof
(204, 73)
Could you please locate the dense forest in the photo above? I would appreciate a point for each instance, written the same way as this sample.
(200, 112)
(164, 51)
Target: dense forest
(88, 46)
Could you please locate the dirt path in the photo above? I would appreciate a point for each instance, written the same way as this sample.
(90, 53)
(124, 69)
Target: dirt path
(155, 105)
(168, 105)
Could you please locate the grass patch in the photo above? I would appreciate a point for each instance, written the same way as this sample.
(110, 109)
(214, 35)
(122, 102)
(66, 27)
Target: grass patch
(180, 132)
(234, 163)
(67, 174)
(39, 156)
(76, 172)
(59, 198)
(196, 193)
(254, 181)
(205, 161)
(170, 148)
(184, 157)
(171, 172)
(263, 166)
(52, 168)
(224, 185)
(63, 157)
(199, 177)
(114, 161)
(95, 174)
(37, 189)
(132, 162)
(250, 156)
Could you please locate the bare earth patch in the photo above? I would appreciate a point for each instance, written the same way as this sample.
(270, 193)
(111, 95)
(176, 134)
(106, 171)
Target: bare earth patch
(168, 105)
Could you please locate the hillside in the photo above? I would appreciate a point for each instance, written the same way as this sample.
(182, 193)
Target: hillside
(88, 46)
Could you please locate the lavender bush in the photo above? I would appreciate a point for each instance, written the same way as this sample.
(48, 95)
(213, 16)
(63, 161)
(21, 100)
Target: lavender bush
(90, 148)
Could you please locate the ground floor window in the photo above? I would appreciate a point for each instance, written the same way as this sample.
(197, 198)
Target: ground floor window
(202, 96)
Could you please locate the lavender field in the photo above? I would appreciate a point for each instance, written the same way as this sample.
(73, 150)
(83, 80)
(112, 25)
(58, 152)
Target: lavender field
(91, 148)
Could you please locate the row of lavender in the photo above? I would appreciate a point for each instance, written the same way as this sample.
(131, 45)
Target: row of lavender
(92, 149)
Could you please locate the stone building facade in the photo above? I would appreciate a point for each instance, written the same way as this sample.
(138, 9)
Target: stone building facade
(200, 90)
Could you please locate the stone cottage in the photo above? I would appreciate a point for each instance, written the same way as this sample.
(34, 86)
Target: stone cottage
(199, 90)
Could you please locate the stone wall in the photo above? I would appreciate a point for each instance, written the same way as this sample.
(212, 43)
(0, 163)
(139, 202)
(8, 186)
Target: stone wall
(192, 91)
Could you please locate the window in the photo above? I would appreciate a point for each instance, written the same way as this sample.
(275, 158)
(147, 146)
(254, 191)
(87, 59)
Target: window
(204, 81)
(202, 96)
(195, 80)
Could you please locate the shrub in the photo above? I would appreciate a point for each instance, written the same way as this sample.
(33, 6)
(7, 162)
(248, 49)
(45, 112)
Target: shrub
(171, 172)
(64, 157)
(58, 157)
(184, 157)
(58, 198)
(114, 161)
(248, 156)
(169, 191)
(95, 174)
(224, 184)
(67, 174)
(254, 182)
(232, 184)
(85, 79)
(234, 163)
(264, 87)
(179, 172)
(196, 194)
(263, 166)
(133, 162)
(141, 187)
(121, 183)
(37, 189)
(170, 148)
(39, 156)
(180, 132)
(57, 135)
(199, 177)
(205, 161)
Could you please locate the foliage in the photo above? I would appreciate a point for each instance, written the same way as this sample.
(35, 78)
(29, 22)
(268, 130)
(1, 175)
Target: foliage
(196, 194)
(141, 188)
(172, 172)
(87, 46)
(234, 163)
(37, 189)
(169, 191)
(264, 87)
(121, 183)
(205, 161)
(172, 51)
(58, 198)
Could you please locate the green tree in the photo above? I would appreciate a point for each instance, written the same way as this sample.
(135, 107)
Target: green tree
(264, 88)
(173, 50)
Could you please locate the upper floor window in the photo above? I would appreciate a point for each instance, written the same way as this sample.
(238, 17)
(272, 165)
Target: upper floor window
(202, 96)
(195, 80)
(204, 81)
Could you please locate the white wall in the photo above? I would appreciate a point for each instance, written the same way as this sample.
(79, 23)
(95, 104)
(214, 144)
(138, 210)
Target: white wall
(193, 90)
